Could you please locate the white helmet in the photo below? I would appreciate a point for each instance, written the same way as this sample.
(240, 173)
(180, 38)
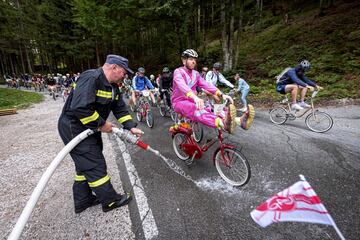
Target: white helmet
(152, 76)
(305, 64)
(190, 53)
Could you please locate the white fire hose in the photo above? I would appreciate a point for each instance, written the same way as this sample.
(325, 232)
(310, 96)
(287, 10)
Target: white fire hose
(30, 205)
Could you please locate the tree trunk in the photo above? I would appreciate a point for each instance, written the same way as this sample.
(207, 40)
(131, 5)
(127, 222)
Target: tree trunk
(239, 32)
(259, 7)
(224, 37)
(321, 7)
(227, 37)
(11, 64)
(2, 70)
(212, 12)
(203, 33)
(22, 59)
(97, 53)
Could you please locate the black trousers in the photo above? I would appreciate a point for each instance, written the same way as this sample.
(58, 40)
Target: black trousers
(91, 171)
(168, 101)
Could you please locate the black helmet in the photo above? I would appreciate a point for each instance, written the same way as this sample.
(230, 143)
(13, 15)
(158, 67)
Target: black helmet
(166, 70)
(217, 66)
(141, 70)
(190, 53)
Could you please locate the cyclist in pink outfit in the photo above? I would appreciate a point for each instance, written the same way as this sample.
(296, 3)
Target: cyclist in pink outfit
(187, 103)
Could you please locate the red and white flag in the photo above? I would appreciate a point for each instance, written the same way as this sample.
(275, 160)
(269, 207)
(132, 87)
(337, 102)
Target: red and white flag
(298, 203)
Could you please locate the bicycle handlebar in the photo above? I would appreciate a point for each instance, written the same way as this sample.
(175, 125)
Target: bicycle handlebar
(315, 93)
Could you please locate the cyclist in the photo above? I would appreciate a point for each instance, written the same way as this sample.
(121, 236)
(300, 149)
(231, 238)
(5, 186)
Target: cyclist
(152, 80)
(141, 83)
(204, 70)
(243, 88)
(215, 76)
(51, 84)
(187, 103)
(165, 84)
(292, 80)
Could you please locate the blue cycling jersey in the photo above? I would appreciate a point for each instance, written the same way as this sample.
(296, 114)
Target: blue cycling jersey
(293, 76)
(142, 83)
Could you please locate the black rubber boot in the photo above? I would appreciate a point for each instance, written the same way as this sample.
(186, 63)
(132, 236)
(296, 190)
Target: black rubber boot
(121, 201)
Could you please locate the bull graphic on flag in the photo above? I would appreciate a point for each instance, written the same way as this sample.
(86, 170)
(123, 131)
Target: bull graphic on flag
(297, 203)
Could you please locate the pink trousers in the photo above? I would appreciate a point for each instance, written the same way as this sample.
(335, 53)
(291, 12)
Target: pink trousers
(187, 108)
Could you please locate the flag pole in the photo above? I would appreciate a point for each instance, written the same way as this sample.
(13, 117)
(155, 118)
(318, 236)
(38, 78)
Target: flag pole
(328, 215)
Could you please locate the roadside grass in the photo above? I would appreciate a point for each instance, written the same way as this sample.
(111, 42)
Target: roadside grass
(12, 98)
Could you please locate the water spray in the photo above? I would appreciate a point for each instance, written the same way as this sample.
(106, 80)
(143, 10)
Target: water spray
(130, 138)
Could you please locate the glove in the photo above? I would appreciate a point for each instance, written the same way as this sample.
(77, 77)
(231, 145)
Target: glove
(310, 88)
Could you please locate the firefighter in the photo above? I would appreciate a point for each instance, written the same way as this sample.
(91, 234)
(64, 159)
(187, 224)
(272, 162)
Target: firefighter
(88, 106)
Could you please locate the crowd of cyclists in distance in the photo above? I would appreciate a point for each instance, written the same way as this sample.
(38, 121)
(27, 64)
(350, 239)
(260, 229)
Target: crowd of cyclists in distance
(161, 85)
(54, 83)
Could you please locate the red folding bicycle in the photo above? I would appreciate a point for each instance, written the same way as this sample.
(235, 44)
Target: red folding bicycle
(230, 163)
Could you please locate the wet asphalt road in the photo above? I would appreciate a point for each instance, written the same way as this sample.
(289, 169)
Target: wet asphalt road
(277, 155)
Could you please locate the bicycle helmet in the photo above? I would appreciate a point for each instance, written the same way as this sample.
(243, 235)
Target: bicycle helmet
(305, 64)
(190, 53)
(141, 70)
(217, 66)
(166, 70)
(152, 76)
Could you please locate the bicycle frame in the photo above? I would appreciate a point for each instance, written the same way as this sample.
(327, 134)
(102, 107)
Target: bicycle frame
(196, 151)
(144, 102)
(312, 108)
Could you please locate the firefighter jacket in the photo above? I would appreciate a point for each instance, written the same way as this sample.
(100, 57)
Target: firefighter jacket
(92, 100)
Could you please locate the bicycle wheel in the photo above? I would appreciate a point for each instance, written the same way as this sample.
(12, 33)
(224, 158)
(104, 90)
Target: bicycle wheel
(198, 132)
(319, 122)
(162, 110)
(278, 115)
(132, 107)
(173, 116)
(54, 95)
(237, 169)
(150, 119)
(139, 114)
(178, 140)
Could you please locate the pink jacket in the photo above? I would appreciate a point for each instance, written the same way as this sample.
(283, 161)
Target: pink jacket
(185, 82)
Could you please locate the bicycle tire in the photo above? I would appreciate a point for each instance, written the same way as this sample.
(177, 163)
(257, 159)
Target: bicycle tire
(318, 117)
(132, 107)
(278, 115)
(139, 115)
(173, 116)
(162, 111)
(150, 119)
(178, 139)
(54, 95)
(198, 132)
(228, 172)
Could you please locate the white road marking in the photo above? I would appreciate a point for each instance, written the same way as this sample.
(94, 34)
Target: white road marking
(148, 221)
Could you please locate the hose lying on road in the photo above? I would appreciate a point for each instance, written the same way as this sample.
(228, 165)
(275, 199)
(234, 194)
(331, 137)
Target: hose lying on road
(30, 205)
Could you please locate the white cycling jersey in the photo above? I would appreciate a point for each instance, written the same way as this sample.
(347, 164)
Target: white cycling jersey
(213, 78)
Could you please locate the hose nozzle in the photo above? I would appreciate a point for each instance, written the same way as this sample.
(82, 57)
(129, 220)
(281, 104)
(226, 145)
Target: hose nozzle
(127, 136)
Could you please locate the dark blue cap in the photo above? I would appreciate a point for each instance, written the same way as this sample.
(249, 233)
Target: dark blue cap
(120, 61)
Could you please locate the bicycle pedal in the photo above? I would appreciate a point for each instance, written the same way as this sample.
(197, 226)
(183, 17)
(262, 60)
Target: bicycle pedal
(208, 140)
(189, 162)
